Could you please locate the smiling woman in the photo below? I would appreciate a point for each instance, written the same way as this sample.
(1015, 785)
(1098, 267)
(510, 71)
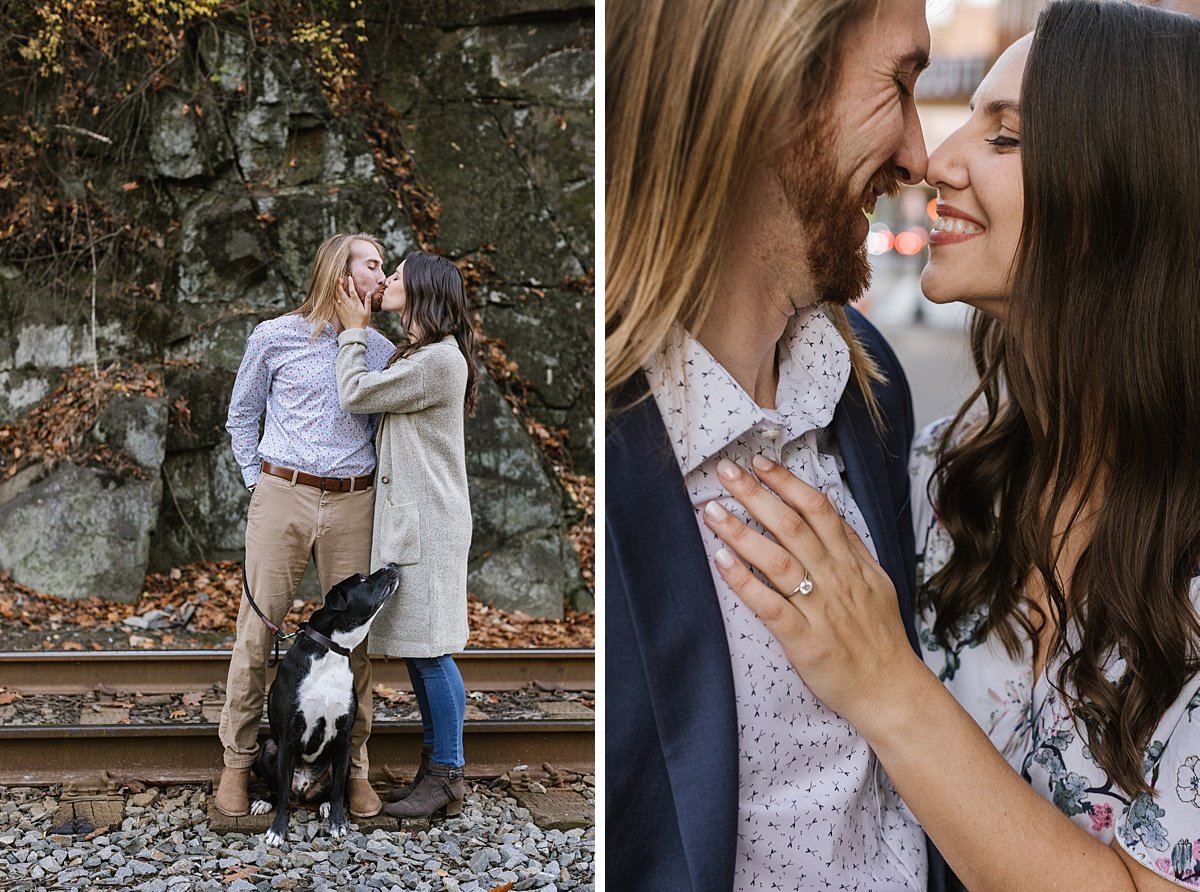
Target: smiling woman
(977, 173)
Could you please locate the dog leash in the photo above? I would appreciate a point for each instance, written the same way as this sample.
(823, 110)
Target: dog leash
(311, 634)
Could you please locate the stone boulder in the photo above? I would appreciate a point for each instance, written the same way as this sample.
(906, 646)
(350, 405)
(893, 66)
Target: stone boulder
(81, 532)
(519, 559)
(203, 511)
(511, 489)
(530, 572)
(200, 398)
(135, 426)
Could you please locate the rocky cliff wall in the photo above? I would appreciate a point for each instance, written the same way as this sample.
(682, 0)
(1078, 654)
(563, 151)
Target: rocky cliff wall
(181, 200)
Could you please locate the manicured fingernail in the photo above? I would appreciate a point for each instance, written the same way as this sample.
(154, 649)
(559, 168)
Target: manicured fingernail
(762, 463)
(716, 510)
(728, 469)
(724, 558)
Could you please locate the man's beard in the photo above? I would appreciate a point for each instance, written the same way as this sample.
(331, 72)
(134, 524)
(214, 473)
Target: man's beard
(828, 213)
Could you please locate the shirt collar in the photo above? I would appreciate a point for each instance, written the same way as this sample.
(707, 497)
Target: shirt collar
(704, 409)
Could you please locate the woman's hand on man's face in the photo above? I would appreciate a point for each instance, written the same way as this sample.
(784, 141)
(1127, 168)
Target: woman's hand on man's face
(829, 603)
(352, 310)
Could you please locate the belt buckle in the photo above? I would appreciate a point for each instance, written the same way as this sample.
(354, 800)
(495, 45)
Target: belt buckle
(322, 486)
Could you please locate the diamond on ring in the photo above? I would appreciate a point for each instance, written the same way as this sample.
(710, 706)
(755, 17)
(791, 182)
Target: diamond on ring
(805, 586)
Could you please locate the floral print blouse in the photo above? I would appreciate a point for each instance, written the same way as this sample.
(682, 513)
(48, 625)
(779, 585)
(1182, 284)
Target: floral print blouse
(1028, 721)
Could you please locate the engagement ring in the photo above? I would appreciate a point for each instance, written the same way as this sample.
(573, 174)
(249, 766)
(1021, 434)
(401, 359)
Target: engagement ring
(805, 586)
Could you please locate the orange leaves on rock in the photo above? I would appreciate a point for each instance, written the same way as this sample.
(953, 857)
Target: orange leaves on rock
(56, 428)
(7, 697)
(396, 161)
(503, 370)
(181, 408)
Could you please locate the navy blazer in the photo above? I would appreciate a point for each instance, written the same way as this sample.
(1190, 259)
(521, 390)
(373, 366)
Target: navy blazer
(671, 746)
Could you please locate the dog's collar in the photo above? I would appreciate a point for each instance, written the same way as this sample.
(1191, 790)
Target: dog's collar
(320, 639)
(313, 636)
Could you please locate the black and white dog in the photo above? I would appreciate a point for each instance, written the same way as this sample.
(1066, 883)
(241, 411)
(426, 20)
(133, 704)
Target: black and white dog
(312, 705)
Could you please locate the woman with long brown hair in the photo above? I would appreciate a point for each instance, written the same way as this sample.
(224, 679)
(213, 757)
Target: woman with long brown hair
(1058, 513)
(422, 508)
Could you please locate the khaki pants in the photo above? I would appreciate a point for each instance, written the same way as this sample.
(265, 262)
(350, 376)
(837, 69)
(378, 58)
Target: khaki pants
(287, 524)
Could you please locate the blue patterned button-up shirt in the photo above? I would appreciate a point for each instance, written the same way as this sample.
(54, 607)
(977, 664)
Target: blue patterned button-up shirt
(290, 376)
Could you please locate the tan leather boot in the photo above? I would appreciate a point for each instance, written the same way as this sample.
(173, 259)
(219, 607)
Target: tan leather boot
(231, 798)
(440, 792)
(364, 802)
(402, 792)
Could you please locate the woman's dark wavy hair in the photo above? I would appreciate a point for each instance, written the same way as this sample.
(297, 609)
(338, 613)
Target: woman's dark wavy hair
(1101, 363)
(435, 299)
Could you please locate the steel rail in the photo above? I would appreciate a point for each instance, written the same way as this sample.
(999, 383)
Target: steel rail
(152, 672)
(91, 757)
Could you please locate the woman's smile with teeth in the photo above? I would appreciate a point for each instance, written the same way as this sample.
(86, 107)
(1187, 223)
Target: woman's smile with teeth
(956, 225)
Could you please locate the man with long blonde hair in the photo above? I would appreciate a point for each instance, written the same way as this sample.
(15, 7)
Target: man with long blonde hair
(746, 142)
(311, 478)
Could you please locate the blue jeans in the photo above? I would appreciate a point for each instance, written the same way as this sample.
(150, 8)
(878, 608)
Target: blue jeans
(442, 699)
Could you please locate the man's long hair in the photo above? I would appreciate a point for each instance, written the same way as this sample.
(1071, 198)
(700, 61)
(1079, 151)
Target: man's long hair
(693, 89)
(435, 299)
(1100, 430)
(331, 265)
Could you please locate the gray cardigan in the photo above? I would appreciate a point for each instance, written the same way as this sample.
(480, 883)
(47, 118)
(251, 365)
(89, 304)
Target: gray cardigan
(422, 510)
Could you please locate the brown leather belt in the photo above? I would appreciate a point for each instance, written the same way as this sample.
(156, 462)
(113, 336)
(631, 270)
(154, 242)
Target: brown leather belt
(325, 484)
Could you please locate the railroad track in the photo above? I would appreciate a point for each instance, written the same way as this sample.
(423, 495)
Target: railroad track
(95, 757)
(170, 671)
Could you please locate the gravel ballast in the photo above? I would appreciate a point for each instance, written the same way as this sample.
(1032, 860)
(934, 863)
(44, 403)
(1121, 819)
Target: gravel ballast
(167, 845)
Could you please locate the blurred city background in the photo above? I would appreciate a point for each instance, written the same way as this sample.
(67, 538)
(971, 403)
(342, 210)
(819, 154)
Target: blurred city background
(967, 37)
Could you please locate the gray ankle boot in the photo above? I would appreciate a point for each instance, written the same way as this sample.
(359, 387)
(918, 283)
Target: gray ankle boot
(402, 792)
(440, 792)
